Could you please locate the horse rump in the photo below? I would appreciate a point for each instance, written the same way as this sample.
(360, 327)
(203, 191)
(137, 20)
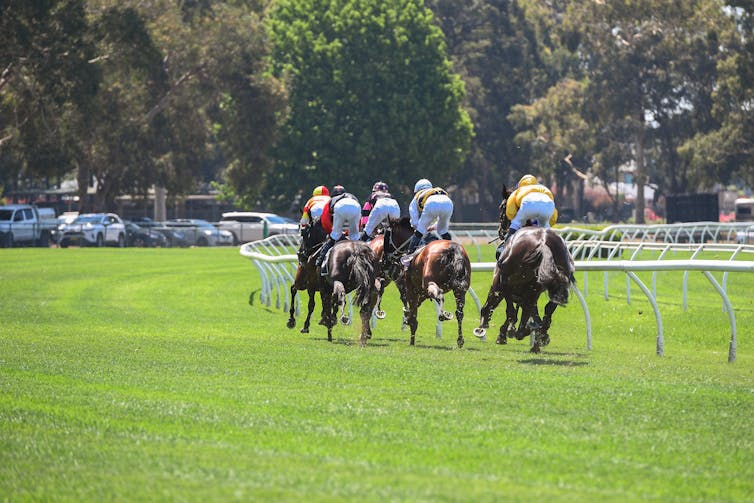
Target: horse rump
(456, 262)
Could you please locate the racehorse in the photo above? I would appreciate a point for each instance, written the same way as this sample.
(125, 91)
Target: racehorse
(536, 260)
(389, 247)
(437, 268)
(307, 278)
(350, 267)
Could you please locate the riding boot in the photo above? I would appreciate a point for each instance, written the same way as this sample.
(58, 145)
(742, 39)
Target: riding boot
(365, 237)
(505, 242)
(325, 248)
(446, 236)
(415, 239)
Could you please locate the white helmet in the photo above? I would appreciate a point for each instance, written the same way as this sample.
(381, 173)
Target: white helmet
(422, 184)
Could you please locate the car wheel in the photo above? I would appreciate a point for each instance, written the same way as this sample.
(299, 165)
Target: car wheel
(100, 241)
(202, 242)
(139, 242)
(121, 241)
(64, 243)
(44, 240)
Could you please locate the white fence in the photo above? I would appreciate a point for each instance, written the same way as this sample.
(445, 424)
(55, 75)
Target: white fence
(275, 259)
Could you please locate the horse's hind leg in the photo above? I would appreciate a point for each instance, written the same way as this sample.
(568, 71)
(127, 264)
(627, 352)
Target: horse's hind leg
(460, 303)
(435, 293)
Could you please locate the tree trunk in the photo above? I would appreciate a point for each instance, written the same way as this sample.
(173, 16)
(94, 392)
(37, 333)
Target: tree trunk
(639, 177)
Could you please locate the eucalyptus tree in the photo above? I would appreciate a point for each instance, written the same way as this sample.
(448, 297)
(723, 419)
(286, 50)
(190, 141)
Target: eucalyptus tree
(371, 96)
(46, 79)
(647, 64)
(725, 153)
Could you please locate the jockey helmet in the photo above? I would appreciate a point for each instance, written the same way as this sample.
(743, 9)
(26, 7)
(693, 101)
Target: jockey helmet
(527, 180)
(320, 190)
(338, 190)
(380, 187)
(422, 184)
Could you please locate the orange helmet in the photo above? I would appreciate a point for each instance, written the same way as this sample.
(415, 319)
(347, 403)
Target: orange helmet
(527, 180)
(320, 190)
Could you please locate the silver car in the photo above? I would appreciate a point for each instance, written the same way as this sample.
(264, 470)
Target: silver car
(199, 232)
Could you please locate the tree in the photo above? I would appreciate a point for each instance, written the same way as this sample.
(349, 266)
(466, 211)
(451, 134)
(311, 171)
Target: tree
(371, 96)
(647, 63)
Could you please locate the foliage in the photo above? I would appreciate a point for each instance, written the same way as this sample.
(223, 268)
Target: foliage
(371, 96)
(151, 363)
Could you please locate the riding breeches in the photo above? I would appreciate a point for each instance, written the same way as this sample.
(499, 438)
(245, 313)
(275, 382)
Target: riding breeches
(438, 208)
(346, 214)
(534, 206)
(383, 209)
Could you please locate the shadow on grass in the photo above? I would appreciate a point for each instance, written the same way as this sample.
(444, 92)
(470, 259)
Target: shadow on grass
(562, 363)
(387, 342)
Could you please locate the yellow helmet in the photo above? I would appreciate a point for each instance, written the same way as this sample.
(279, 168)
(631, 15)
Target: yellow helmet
(320, 190)
(527, 180)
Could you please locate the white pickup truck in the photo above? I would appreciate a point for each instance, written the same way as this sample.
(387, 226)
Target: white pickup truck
(252, 225)
(26, 224)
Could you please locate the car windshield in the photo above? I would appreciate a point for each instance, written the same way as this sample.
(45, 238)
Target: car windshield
(88, 219)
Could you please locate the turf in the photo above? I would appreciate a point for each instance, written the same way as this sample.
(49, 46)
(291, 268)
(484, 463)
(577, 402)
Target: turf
(133, 375)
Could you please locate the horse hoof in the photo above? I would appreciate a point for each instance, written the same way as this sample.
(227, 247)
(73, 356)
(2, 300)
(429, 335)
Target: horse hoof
(345, 320)
(380, 314)
(501, 340)
(480, 332)
(543, 339)
(322, 322)
(446, 316)
(291, 323)
(460, 342)
(305, 330)
(536, 349)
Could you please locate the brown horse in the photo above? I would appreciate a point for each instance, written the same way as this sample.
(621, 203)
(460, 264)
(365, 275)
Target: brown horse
(395, 238)
(351, 268)
(307, 278)
(437, 268)
(536, 260)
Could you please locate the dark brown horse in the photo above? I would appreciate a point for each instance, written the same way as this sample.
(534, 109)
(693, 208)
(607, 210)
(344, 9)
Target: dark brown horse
(536, 260)
(350, 268)
(307, 278)
(437, 268)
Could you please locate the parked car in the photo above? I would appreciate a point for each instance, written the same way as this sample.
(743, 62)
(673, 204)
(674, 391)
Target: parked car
(93, 229)
(746, 236)
(144, 237)
(200, 232)
(26, 224)
(175, 237)
(252, 225)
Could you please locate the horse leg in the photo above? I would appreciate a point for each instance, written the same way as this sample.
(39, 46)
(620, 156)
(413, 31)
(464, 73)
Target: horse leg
(493, 299)
(413, 308)
(547, 321)
(310, 307)
(534, 326)
(291, 319)
(435, 293)
(379, 313)
(460, 296)
(508, 329)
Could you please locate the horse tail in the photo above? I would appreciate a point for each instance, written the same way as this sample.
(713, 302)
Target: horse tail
(456, 261)
(362, 274)
(556, 269)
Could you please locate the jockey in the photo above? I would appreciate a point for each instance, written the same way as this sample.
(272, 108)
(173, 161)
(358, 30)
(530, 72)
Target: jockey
(430, 204)
(530, 201)
(379, 207)
(314, 206)
(342, 211)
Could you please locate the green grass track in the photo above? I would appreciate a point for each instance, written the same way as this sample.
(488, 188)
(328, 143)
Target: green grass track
(145, 375)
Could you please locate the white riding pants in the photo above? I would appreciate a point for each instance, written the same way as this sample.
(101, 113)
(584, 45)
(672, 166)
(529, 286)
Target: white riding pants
(438, 208)
(534, 206)
(383, 209)
(346, 214)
